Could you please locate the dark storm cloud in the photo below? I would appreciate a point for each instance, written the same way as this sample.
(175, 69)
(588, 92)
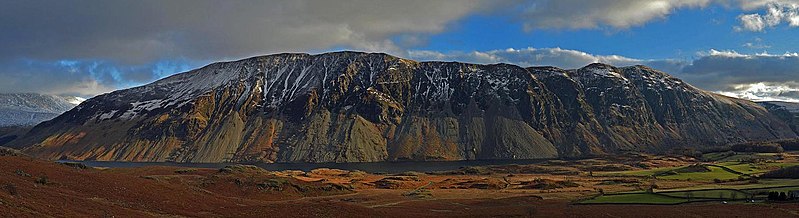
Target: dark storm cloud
(135, 32)
(90, 47)
(135, 36)
(751, 76)
(723, 70)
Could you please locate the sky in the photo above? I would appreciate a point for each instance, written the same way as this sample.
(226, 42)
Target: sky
(745, 49)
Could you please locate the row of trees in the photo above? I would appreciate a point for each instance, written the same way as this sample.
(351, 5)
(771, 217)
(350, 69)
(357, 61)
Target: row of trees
(781, 196)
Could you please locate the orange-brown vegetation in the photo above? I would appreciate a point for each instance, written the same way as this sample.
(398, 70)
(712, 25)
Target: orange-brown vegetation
(36, 188)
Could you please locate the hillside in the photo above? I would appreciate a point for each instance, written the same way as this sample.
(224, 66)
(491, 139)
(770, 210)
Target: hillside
(365, 107)
(29, 109)
(787, 111)
(21, 111)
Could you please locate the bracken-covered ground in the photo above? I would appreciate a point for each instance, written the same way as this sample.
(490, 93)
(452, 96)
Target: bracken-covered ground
(35, 188)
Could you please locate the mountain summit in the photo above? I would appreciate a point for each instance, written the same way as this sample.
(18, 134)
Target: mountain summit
(362, 107)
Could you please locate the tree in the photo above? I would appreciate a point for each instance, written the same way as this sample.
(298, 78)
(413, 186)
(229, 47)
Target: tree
(773, 196)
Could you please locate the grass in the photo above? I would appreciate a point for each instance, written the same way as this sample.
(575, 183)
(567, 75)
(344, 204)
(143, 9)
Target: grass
(762, 184)
(635, 198)
(730, 156)
(727, 194)
(747, 168)
(716, 155)
(714, 173)
(748, 156)
(637, 173)
(755, 168)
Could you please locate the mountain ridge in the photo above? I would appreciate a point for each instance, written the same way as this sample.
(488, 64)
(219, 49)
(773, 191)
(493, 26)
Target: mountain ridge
(21, 111)
(364, 107)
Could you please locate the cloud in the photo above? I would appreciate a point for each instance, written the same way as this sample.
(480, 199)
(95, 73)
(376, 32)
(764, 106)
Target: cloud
(49, 78)
(90, 47)
(142, 31)
(756, 44)
(84, 78)
(777, 12)
(578, 14)
(766, 91)
(752, 76)
(117, 44)
(558, 57)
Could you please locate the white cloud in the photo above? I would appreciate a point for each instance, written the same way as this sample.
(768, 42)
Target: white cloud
(776, 13)
(759, 76)
(558, 57)
(765, 91)
(757, 43)
(578, 14)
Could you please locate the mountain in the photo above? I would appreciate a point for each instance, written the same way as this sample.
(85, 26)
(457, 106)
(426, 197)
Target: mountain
(787, 111)
(21, 111)
(29, 109)
(361, 107)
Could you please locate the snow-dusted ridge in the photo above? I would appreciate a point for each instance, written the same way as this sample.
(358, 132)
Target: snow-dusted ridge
(281, 78)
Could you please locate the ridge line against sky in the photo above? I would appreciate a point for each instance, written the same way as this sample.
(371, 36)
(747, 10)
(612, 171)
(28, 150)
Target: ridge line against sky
(735, 47)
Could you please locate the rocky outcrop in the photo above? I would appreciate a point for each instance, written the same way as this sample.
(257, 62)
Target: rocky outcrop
(362, 107)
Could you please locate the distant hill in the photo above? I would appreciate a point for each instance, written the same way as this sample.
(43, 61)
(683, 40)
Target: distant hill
(787, 111)
(367, 107)
(21, 111)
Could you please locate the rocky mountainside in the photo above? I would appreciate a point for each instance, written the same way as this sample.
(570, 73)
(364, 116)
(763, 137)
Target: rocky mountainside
(360, 107)
(21, 111)
(787, 111)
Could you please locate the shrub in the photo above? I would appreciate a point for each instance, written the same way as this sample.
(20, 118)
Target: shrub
(75, 165)
(789, 144)
(42, 180)
(184, 171)
(760, 147)
(791, 172)
(22, 173)
(11, 189)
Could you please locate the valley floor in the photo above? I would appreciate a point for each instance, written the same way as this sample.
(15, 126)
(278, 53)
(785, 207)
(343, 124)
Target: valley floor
(35, 188)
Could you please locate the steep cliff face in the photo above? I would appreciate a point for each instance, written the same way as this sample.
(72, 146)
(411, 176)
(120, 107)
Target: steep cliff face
(360, 107)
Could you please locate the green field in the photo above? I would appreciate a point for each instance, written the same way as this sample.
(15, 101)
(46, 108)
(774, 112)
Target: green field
(714, 173)
(636, 173)
(762, 184)
(699, 193)
(725, 166)
(729, 156)
(635, 198)
(710, 194)
(678, 173)
(747, 168)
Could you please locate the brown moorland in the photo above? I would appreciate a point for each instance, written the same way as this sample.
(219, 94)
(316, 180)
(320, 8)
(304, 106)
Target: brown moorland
(36, 188)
